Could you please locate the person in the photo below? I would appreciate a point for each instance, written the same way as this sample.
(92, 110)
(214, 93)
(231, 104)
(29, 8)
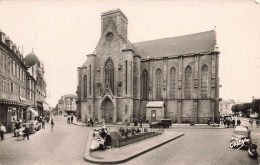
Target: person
(52, 124)
(43, 123)
(233, 123)
(71, 118)
(238, 121)
(2, 131)
(225, 122)
(40, 121)
(17, 127)
(91, 122)
(141, 122)
(26, 132)
(68, 120)
(228, 122)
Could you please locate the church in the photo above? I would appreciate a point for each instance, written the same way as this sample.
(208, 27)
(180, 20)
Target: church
(173, 78)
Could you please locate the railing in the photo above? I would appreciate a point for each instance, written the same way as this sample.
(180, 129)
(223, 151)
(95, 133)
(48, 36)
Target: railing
(118, 140)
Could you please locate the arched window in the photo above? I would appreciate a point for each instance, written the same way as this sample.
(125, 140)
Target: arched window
(204, 81)
(85, 89)
(158, 84)
(187, 90)
(145, 84)
(109, 74)
(172, 82)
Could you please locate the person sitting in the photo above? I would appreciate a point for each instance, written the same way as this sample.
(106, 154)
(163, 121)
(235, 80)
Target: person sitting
(103, 133)
(108, 141)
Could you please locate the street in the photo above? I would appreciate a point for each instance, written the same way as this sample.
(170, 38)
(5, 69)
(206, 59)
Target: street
(66, 145)
(197, 146)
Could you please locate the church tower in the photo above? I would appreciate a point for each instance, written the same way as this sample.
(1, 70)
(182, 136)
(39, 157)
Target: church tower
(118, 18)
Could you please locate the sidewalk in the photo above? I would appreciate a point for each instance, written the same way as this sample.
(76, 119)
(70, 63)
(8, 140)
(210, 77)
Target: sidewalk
(112, 156)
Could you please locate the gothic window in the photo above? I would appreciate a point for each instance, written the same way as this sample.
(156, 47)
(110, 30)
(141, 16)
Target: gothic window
(172, 82)
(109, 74)
(85, 86)
(145, 84)
(187, 90)
(204, 81)
(158, 84)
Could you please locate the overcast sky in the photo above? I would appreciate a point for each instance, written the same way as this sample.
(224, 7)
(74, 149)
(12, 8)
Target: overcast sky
(63, 33)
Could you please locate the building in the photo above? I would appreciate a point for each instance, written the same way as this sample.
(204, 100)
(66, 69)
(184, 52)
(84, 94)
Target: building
(174, 77)
(36, 69)
(67, 104)
(16, 84)
(225, 107)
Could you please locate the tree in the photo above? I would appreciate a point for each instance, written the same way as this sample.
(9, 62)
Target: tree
(256, 105)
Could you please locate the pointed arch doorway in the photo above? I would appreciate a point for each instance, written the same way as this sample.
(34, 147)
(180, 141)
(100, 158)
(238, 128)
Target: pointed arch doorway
(107, 110)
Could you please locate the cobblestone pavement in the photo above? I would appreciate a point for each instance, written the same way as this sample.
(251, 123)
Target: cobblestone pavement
(65, 145)
(197, 146)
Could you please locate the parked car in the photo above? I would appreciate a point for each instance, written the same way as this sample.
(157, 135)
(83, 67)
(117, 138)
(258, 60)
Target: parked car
(36, 125)
(165, 123)
(240, 133)
(30, 126)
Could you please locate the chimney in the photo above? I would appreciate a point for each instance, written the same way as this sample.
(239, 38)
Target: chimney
(2, 36)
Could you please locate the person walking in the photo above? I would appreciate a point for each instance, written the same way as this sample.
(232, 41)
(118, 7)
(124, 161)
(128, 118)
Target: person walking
(141, 122)
(52, 124)
(2, 131)
(43, 123)
(91, 122)
(233, 122)
(26, 132)
(71, 118)
(238, 122)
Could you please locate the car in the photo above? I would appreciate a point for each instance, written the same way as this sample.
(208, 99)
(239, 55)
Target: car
(242, 126)
(36, 125)
(161, 123)
(241, 133)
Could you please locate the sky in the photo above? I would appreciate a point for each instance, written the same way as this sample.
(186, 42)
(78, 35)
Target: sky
(63, 32)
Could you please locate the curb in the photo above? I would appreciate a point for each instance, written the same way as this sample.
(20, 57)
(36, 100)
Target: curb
(131, 157)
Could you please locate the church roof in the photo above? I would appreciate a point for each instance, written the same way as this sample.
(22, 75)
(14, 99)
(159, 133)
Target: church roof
(174, 46)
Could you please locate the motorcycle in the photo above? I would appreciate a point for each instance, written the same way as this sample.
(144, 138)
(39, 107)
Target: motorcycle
(252, 152)
(239, 143)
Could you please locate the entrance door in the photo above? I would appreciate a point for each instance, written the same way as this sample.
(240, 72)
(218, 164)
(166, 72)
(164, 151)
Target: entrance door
(107, 108)
(153, 115)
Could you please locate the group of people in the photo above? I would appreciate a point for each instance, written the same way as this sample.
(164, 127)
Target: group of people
(231, 122)
(101, 139)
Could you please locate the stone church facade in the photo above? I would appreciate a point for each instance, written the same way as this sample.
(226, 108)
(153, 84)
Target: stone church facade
(174, 77)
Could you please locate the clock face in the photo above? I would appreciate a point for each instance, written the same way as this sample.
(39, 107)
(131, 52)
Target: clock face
(109, 36)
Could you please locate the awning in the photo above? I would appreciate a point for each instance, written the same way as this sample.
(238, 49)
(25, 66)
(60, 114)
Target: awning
(155, 104)
(33, 111)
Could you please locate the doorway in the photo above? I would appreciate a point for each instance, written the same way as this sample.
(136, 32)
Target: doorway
(153, 116)
(107, 110)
